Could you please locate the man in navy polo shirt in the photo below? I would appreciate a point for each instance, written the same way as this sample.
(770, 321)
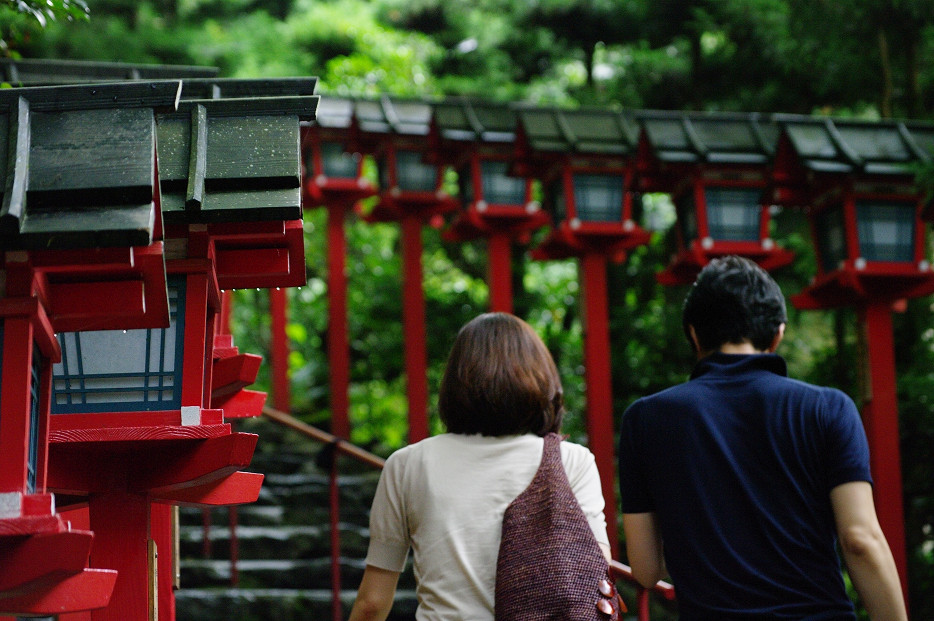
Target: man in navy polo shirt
(739, 483)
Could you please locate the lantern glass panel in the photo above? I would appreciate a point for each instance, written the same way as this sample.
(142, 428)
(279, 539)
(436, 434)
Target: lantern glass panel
(554, 200)
(687, 216)
(733, 213)
(413, 175)
(465, 184)
(831, 238)
(34, 395)
(886, 231)
(598, 198)
(498, 187)
(337, 163)
(122, 370)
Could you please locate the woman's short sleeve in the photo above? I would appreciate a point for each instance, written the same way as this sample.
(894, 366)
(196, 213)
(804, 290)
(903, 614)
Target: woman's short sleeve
(389, 538)
(581, 467)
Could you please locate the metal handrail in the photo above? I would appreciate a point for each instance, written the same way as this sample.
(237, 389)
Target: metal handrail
(618, 570)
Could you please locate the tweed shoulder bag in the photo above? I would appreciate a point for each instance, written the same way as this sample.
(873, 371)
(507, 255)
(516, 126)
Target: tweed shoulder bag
(550, 566)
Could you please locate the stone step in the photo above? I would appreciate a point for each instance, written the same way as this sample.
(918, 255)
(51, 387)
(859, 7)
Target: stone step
(288, 542)
(275, 604)
(269, 574)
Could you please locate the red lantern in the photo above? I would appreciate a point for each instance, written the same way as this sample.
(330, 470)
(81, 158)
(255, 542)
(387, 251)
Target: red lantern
(715, 166)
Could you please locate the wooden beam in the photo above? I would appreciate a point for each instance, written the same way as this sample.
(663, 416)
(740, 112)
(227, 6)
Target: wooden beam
(237, 489)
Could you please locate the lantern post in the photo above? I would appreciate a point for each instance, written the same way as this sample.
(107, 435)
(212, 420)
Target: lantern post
(476, 139)
(334, 180)
(584, 161)
(411, 193)
(715, 166)
(82, 249)
(230, 196)
(856, 183)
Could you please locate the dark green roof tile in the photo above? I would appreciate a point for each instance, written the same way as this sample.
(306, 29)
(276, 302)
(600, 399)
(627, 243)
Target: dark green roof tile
(585, 131)
(232, 160)
(725, 138)
(238, 88)
(38, 72)
(871, 147)
(78, 154)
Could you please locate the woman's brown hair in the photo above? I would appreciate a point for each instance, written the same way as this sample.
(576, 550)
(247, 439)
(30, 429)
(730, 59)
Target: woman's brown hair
(500, 380)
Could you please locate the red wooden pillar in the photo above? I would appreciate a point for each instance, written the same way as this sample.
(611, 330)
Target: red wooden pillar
(338, 345)
(880, 418)
(162, 526)
(598, 379)
(279, 354)
(226, 310)
(500, 272)
(122, 541)
(14, 403)
(413, 320)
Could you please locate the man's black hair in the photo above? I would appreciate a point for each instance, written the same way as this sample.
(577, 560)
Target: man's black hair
(731, 301)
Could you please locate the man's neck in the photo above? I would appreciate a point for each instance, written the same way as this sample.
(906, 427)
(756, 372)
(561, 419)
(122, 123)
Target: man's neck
(739, 348)
(732, 348)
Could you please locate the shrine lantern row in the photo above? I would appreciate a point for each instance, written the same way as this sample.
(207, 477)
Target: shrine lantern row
(117, 272)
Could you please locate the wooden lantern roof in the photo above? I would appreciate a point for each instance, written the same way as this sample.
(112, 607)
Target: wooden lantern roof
(49, 72)
(670, 142)
(232, 167)
(80, 203)
(399, 120)
(225, 160)
(239, 88)
(459, 125)
(814, 152)
(546, 136)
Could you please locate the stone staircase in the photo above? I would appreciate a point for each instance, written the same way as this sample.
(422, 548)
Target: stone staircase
(283, 570)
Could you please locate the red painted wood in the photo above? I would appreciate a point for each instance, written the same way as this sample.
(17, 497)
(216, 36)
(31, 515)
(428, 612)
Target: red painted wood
(196, 463)
(233, 373)
(91, 589)
(162, 527)
(338, 339)
(241, 404)
(31, 525)
(599, 382)
(225, 312)
(120, 522)
(38, 504)
(137, 434)
(31, 308)
(413, 326)
(15, 398)
(254, 262)
(880, 417)
(146, 266)
(100, 422)
(499, 249)
(25, 560)
(193, 362)
(75, 301)
(279, 348)
(282, 239)
(235, 489)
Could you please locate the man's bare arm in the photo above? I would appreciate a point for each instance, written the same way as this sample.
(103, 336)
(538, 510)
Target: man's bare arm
(644, 548)
(866, 552)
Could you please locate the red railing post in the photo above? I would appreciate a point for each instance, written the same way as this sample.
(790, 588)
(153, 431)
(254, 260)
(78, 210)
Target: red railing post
(642, 604)
(206, 533)
(334, 512)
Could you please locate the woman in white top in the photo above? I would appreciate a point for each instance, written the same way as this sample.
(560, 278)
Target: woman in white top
(444, 497)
